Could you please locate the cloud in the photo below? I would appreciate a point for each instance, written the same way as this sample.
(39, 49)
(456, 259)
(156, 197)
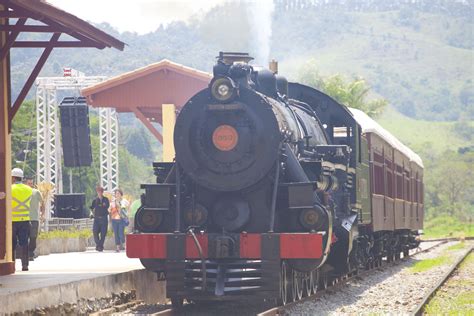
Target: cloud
(141, 16)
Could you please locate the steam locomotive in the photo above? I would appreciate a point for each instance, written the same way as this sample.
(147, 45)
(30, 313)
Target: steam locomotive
(276, 190)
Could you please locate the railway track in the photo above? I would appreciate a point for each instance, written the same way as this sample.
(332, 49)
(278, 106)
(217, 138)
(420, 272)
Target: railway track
(340, 283)
(231, 308)
(420, 308)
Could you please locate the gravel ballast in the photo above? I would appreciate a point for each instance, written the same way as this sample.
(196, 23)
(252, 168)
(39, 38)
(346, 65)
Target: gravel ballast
(393, 289)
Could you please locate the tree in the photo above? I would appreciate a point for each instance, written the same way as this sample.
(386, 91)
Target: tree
(353, 94)
(449, 185)
(24, 139)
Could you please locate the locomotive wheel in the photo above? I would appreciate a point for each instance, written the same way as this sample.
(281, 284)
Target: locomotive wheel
(314, 280)
(285, 284)
(323, 282)
(308, 289)
(406, 253)
(297, 286)
(177, 302)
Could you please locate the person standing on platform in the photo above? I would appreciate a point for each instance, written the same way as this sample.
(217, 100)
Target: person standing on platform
(119, 214)
(100, 212)
(36, 212)
(21, 197)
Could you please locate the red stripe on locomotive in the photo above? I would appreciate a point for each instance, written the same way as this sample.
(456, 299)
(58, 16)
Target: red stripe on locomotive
(309, 246)
(250, 246)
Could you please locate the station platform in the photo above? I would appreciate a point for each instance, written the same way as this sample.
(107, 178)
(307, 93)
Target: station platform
(69, 277)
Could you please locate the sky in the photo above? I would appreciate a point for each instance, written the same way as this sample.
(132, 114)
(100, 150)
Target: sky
(141, 16)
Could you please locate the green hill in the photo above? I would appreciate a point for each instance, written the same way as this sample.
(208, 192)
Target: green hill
(415, 62)
(419, 134)
(417, 54)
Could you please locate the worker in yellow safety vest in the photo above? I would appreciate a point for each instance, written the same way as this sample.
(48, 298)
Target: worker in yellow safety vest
(21, 196)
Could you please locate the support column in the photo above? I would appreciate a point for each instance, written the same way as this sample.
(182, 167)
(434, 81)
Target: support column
(109, 164)
(7, 266)
(169, 119)
(48, 142)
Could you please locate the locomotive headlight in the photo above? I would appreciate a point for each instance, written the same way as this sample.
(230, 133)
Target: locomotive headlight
(223, 89)
(195, 216)
(148, 220)
(313, 218)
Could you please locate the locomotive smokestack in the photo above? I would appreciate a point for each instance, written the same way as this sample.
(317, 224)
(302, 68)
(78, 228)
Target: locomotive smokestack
(229, 58)
(273, 66)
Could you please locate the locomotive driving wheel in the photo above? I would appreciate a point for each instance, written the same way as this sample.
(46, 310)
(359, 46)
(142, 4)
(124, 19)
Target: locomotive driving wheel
(286, 281)
(314, 280)
(323, 281)
(298, 284)
(177, 302)
(308, 289)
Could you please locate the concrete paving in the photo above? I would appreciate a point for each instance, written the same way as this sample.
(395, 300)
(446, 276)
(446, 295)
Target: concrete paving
(56, 269)
(59, 278)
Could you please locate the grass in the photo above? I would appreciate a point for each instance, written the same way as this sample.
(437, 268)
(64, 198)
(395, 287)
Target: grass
(427, 264)
(419, 133)
(457, 246)
(457, 296)
(447, 226)
(73, 233)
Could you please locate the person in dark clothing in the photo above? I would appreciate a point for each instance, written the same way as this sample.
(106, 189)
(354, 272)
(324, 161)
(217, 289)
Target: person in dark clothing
(100, 212)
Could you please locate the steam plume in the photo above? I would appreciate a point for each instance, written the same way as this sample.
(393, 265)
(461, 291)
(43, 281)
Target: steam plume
(260, 14)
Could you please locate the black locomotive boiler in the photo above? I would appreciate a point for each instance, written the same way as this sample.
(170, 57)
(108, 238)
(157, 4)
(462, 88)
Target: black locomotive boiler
(275, 190)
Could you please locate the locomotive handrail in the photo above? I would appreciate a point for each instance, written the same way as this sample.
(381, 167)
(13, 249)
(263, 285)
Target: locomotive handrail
(274, 196)
(201, 255)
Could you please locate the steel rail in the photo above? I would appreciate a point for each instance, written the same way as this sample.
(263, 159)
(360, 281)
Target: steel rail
(420, 307)
(277, 310)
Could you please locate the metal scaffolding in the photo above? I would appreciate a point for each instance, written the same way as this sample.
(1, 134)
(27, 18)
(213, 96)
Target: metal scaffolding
(49, 149)
(108, 149)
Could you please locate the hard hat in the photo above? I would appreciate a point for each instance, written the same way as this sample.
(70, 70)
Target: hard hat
(17, 172)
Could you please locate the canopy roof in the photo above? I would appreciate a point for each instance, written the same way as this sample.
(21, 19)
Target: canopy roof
(143, 91)
(370, 126)
(55, 20)
(46, 19)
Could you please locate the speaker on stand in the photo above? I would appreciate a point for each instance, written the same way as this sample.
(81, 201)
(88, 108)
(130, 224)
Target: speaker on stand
(77, 152)
(75, 132)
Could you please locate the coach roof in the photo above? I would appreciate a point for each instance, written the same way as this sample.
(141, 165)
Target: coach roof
(370, 126)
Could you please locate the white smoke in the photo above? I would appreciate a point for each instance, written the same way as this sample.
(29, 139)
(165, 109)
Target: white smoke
(260, 14)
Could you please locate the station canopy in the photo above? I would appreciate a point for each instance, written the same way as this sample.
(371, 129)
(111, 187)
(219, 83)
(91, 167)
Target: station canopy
(144, 91)
(40, 17)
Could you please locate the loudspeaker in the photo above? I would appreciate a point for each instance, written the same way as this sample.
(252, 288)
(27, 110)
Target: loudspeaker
(75, 132)
(70, 205)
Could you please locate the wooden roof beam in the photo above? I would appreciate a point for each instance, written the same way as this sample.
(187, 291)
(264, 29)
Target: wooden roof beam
(32, 28)
(31, 79)
(11, 39)
(62, 44)
(12, 15)
(147, 123)
(60, 27)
